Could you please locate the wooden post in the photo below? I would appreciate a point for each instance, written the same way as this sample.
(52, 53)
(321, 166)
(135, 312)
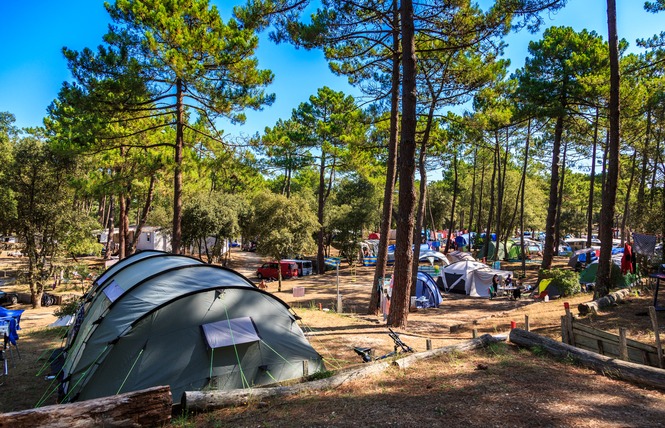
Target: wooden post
(623, 344)
(656, 331)
(526, 322)
(428, 344)
(564, 330)
(569, 324)
(475, 333)
(305, 368)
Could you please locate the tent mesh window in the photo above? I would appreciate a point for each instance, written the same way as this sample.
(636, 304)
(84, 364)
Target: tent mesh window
(230, 332)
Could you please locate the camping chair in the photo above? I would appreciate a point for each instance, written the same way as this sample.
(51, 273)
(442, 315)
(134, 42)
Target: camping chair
(12, 313)
(10, 337)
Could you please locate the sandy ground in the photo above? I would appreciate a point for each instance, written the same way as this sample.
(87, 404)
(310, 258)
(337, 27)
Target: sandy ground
(512, 372)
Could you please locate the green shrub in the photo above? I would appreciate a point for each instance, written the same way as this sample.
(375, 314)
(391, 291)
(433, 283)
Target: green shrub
(566, 280)
(68, 308)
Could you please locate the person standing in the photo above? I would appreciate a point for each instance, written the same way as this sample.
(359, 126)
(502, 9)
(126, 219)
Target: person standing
(494, 288)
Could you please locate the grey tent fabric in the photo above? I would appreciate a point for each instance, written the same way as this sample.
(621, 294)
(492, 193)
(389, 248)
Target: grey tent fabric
(644, 244)
(153, 334)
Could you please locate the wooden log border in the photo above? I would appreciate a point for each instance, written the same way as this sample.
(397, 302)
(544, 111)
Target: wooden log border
(611, 367)
(206, 401)
(146, 408)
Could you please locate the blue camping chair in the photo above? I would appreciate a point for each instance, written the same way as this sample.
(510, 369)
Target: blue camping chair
(12, 313)
(12, 322)
(8, 325)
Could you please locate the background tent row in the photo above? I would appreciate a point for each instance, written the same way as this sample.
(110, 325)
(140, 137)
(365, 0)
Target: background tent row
(470, 278)
(162, 319)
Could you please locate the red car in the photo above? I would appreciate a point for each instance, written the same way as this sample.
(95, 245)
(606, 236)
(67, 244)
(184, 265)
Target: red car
(269, 270)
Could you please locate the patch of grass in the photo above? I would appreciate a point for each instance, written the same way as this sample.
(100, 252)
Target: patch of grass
(498, 349)
(320, 375)
(183, 421)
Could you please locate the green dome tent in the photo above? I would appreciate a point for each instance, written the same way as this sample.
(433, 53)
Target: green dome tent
(508, 250)
(164, 319)
(588, 276)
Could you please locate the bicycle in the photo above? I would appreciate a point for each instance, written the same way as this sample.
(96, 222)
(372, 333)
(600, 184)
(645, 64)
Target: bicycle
(399, 348)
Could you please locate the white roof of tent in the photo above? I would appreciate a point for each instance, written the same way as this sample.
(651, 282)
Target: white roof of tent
(436, 254)
(477, 276)
(456, 256)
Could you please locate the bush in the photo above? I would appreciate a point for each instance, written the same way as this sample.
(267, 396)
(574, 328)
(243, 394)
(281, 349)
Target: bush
(68, 308)
(566, 280)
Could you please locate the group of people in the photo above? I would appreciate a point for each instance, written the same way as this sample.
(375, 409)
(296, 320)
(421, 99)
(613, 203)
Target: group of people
(507, 284)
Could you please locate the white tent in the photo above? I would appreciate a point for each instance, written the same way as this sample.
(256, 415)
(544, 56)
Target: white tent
(435, 256)
(459, 256)
(471, 278)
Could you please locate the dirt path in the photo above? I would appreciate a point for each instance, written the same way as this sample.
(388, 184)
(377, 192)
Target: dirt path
(334, 335)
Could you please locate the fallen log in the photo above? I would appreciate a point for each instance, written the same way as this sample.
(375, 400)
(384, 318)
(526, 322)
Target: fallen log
(609, 300)
(611, 367)
(206, 401)
(146, 408)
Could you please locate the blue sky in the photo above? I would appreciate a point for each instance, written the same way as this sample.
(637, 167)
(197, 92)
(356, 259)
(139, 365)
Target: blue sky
(32, 67)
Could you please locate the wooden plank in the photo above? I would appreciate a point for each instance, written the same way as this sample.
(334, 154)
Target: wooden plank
(612, 337)
(609, 349)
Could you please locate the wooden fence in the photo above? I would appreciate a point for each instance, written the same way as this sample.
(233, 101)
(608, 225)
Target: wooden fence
(611, 345)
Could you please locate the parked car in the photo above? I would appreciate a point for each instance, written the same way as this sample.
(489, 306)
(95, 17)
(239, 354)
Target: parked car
(269, 270)
(8, 298)
(304, 266)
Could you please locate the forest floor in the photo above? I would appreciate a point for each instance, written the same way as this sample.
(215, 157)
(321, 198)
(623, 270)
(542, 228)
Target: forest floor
(514, 388)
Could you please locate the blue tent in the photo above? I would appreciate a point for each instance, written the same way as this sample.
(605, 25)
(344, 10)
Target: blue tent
(426, 292)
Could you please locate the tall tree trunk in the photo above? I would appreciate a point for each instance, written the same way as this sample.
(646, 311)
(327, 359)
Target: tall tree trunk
(123, 229)
(548, 250)
(176, 239)
(420, 215)
(110, 247)
(645, 157)
(144, 215)
(473, 193)
(480, 200)
(592, 181)
(451, 225)
(603, 283)
(391, 171)
(626, 205)
(523, 185)
(502, 191)
(499, 198)
(656, 161)
(488, 229)
(320, 255)
(101, 210)
(559, 202)
(399, 307)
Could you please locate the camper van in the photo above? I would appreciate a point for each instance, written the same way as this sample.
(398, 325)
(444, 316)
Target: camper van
(304, 266)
